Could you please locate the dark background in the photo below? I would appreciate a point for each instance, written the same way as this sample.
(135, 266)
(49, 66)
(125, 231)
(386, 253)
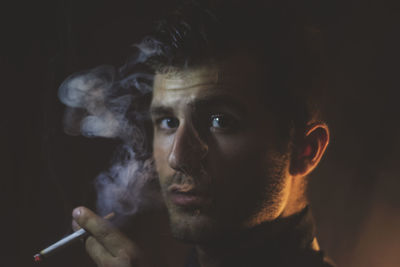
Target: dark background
(45, 173)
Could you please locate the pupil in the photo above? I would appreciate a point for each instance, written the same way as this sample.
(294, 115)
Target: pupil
(171, 123)
(219, 122)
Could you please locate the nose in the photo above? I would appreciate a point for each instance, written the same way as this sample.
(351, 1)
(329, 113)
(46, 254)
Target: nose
(188, 150)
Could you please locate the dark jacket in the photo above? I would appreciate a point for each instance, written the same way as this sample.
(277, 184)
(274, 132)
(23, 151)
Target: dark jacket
(294, 245)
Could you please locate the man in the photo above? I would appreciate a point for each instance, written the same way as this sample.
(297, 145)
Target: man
(237, 130)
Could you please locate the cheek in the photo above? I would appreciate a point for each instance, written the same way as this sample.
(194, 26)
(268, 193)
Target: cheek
(240, 150)
(248, 174)
(245, 163)
(233, 162)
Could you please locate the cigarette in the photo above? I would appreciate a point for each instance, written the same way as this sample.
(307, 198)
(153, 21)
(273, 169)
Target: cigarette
(80, 234)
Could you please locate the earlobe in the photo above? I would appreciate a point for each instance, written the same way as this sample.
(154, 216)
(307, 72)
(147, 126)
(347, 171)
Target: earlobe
(311, 149)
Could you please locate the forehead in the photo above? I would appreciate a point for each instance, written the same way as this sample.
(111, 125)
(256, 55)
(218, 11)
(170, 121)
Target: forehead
(234, 79)
(186, 79)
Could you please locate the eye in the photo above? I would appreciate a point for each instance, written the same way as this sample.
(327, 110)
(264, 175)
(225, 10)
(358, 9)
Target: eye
(167, 123)
(223, 122)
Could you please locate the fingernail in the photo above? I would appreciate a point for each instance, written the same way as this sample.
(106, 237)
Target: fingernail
(76, 213)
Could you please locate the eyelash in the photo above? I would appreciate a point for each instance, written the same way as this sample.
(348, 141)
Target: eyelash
(159, 121)
(230, 122)
(211, 118)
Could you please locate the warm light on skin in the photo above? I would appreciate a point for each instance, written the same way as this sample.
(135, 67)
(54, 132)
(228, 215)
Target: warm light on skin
(178, 80)
(317, 136)
(241, 168)
(304, 161)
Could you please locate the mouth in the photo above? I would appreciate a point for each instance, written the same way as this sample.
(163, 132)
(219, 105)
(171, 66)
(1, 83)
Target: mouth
(187, 196)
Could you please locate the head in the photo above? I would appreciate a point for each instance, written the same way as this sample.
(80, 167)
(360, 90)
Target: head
(236, 130)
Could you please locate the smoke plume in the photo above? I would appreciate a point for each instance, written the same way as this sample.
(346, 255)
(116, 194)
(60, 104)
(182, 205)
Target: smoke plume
(112, 103)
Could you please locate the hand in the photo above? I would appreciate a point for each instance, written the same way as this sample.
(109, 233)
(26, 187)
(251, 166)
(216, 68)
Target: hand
(106, 245)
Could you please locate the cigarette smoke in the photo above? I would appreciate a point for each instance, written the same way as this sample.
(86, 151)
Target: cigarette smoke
(112, 103)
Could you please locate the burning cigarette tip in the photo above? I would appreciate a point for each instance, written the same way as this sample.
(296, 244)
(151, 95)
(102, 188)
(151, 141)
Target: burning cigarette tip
(37, 258)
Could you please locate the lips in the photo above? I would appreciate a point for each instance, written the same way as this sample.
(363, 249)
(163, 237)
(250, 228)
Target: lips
(187, 195)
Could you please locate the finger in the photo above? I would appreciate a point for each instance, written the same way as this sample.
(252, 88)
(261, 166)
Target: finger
(107, 235)
(103, 258)
(75, 226)
(97, 252)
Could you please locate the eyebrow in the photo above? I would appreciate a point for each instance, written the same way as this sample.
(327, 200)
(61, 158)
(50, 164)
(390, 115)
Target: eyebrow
(160, 110)
(203, 103)
(219, 100)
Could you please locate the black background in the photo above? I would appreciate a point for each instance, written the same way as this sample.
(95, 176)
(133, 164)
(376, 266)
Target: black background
(45, 173)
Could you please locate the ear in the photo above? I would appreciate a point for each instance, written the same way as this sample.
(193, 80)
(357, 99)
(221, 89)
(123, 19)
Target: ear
(309, 150)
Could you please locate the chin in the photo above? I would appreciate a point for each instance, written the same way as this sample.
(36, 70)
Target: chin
(192, 226)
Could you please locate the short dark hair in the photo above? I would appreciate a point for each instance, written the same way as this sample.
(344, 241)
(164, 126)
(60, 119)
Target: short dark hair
(283, 39)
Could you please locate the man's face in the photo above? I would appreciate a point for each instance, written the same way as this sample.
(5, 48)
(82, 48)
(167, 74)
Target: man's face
(220, 162)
